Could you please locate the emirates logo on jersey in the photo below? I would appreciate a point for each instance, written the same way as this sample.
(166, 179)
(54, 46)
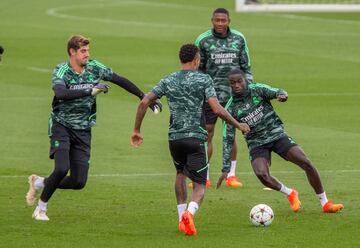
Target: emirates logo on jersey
(254, 116)
(223, 58)
(81, 86)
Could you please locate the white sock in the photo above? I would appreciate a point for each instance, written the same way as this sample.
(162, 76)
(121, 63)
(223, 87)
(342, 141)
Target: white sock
(42, 205)
(232, 169)
(208, 172)
(193, 207)
(39, 183)
(181, 209)
(322, 197)
(285, 189)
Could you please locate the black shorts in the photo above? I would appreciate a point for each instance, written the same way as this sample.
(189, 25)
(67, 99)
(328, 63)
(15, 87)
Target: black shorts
(280, 146)
(210, 116)
(190, 156)
(77, 142)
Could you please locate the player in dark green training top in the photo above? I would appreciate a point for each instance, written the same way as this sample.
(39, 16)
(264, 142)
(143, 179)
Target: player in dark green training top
(76, 84)
(250, 103)
(222, 49)
(186, 90)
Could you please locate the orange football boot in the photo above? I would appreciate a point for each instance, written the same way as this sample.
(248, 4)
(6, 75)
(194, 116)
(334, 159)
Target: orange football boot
(188, 219)
(233, 182)
(294, 200)
(330, 207)
(208, 184)
(182, 226)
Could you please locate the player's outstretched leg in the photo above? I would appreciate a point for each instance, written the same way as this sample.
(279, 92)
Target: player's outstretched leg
(35, 184)
(298, 157)
(261, 168)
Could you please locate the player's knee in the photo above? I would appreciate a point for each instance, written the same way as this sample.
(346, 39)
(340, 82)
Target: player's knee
(60, 172)
(79, 184)
(307, 164)
(263, 176)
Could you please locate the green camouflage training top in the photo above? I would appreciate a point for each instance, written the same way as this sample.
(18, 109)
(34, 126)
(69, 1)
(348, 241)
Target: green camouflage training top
(254, 108)
(79, 113)
(186, 91)
(220, 55)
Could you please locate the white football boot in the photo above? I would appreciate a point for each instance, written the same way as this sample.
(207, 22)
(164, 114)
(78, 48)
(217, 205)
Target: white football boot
(31, 194)
(40, 214)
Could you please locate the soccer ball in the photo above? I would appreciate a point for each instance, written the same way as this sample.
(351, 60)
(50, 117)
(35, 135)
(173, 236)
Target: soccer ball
(261, 215)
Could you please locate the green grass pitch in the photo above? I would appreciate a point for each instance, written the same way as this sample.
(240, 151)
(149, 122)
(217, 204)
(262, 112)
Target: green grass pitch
(129, 198)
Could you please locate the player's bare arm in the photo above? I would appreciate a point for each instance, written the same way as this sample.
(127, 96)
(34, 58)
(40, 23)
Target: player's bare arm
(223, 114)
(136, 138)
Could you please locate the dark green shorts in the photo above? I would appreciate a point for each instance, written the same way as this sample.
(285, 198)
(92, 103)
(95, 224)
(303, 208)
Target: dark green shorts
(280, 146)
(190, 156)
(77, 142)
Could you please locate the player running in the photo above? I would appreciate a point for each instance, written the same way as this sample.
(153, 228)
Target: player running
(76, 85)
(250, 103)
(186, 91)
(222, 49)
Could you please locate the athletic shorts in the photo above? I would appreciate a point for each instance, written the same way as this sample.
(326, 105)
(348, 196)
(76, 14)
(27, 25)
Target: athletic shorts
(210, 116)
(280, 146)
(77, 142)
(190, 156)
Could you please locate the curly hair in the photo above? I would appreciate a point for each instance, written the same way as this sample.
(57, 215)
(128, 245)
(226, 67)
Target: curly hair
(188, 52)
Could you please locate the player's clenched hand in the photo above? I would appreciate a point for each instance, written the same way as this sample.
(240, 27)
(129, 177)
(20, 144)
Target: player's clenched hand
(136, 139)
(282, 97)
(98, 88)
(156, 107)
(244, 127)
(222, 177)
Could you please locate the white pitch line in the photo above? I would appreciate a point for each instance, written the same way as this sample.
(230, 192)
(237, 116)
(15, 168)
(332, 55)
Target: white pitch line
(38, 69)
(318, 19)
(55, 12)
(172, 174)
(326, 94)
(261, 31)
